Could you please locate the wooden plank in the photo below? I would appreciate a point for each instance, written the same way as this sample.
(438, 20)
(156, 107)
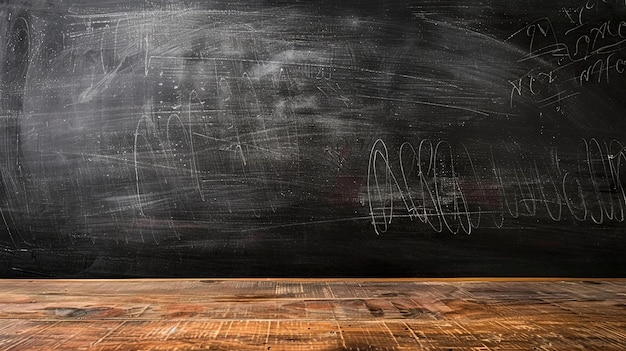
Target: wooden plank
(312, 315)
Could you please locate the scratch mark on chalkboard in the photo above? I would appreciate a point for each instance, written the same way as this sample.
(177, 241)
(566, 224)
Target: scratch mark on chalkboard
(450, 106)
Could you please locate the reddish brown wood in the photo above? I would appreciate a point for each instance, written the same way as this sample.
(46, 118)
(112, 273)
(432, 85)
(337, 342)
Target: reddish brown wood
(312, 315)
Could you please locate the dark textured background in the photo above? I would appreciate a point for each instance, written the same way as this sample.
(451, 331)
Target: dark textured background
(312, 138)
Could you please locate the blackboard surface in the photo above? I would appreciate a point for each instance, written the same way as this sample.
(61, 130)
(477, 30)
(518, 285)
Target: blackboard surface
(312, 138)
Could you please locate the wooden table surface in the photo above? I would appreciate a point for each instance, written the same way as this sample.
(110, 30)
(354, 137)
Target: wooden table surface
(329, 315)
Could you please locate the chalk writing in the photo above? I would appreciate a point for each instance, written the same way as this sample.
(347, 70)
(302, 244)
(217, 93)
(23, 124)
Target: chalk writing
(431, 183)
(564, 60)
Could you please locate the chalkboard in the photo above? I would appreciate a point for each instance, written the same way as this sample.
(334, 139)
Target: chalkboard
(312, 138)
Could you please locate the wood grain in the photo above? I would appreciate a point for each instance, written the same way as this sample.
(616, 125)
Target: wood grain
(312, 315)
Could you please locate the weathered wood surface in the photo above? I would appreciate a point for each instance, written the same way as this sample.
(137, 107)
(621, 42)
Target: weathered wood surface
(312, 315)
